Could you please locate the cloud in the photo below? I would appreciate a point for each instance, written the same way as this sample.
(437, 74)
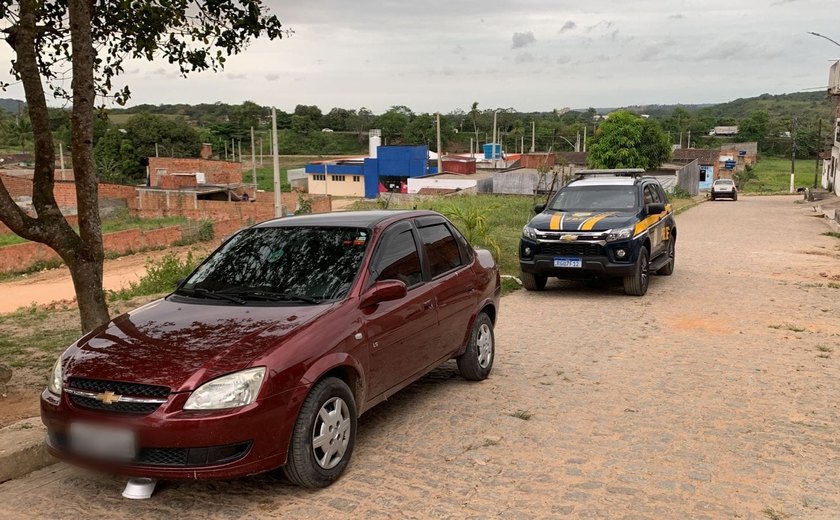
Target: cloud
(272, 77)
(568, 26)
(523, 39)
(236, 76)
(562, 60)
(459, 49)
(678, 16)
(524, 57)
(606, 23)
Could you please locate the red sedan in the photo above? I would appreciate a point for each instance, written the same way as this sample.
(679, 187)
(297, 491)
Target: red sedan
(269, 351)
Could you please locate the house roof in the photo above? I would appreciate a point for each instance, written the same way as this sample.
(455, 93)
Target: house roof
(703, 155)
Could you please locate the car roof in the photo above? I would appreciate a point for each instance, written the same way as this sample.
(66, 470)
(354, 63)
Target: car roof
(363, 219)
(603, 180)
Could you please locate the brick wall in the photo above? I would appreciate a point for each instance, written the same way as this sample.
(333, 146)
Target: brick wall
(215, 172)
(536, 160)
(65, 191)
(159, 204)
(17, 186)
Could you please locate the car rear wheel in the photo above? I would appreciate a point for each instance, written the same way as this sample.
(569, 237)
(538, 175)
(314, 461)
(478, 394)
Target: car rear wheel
(637, 283)
(735, 196)
(533, 282)
(668, 269)
(477, 361)
(324, 434)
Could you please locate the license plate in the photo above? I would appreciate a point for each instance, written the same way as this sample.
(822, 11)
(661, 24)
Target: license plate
(101, 441)
(567, 262)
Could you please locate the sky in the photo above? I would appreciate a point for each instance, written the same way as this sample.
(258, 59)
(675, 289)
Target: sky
(531, 55)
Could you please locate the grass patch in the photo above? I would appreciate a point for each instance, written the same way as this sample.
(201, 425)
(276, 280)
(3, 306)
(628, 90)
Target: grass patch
(775, 514)
(834, 234)
(824, 348)
(525, 415)
(774, 175)
(161, 276)
(122, 220)
(8, 239)
(37, 349)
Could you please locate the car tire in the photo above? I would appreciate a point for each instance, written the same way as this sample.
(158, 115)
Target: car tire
(637, 283)
(533, 282)
(734, 196)
(712, 197)
(668, 269)
(318, 466)
(477, 360)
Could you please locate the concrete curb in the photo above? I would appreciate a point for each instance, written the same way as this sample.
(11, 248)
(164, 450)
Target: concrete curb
(22, 449)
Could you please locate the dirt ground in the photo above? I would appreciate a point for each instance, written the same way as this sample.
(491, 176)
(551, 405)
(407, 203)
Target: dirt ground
(714, 396)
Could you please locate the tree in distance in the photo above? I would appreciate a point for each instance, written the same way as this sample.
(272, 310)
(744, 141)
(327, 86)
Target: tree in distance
(626, 140)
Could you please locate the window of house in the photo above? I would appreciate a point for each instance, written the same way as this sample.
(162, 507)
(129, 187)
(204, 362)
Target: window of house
(337, 178)
(441, 248)
(317, 177)
(397, 257)
(357, 178)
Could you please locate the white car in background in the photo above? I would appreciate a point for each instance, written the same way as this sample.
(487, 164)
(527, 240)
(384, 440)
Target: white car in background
(724, 188)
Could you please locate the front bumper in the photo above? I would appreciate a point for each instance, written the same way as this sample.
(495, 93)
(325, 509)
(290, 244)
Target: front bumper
(175, 444)
(604, 265)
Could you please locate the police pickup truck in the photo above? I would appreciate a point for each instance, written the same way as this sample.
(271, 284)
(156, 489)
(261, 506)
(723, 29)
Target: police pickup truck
(603, 224)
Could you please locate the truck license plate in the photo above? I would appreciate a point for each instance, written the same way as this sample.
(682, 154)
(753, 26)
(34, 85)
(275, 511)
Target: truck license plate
(102, 441)
(560, 261)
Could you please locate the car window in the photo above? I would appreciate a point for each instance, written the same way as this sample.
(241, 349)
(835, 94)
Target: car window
(315, 262)
(397, 257)
(663, 197)
(651, 195)
(441, 248)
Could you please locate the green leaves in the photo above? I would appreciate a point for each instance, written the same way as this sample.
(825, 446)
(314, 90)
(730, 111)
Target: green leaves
(626, 140)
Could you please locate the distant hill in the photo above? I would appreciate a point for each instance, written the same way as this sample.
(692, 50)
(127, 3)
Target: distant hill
(805, 105)
(11, 105)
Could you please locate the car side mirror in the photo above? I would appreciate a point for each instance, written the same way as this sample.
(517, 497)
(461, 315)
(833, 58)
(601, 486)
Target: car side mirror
(655, 207)
(539, 208)
(384, 291)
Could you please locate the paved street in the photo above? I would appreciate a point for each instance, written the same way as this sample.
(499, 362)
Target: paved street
(715, 396)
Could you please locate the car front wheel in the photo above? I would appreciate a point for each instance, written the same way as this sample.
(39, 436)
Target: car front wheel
(324, 434)
(637, 283)
(477, 361)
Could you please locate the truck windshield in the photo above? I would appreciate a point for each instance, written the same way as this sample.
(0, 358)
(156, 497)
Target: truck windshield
(594, 198)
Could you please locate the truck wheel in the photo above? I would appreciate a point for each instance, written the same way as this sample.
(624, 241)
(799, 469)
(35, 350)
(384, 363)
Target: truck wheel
(533, 282)
(637, 283)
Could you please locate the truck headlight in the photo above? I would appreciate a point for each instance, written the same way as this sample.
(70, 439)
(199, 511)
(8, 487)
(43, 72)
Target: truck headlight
(54, 383)
(619, 234)
(230, 391)
(529, 232)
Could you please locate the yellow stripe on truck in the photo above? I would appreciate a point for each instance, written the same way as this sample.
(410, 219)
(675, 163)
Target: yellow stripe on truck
(589, 223)
(554, 225)
(643, 225)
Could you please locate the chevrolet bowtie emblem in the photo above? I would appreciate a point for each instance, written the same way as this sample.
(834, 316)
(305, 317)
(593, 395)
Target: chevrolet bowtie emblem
(108, 397)
(568, 238)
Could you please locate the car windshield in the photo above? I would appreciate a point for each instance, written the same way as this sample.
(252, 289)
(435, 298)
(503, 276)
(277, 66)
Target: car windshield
(594, 198)
(307, 264)
(726, 182)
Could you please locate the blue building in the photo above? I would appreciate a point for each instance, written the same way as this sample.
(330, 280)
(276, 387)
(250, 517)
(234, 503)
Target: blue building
(389, 170)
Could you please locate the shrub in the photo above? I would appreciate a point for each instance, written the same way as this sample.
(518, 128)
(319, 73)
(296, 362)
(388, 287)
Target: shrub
(161, 276)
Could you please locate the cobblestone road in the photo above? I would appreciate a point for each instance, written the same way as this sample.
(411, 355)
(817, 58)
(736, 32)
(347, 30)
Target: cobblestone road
(715, 396)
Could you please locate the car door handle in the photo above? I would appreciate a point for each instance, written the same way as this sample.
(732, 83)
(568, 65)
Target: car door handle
(429, 304)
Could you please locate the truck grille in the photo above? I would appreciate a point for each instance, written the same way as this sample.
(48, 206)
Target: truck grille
(571, 249)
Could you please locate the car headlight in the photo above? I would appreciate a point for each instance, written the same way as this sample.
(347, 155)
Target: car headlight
(619, 234)
(230, 391)
(54, 383)
(529, 232)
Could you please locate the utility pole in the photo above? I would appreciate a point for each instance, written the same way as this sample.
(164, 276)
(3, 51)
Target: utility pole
(439, 153)
(240, 149)
(688, 144)
(261, 152)
(278, 201)
(584, 137)
(158, 155)
(533, 136)
(226, 153)
(793, 157)
(819, 149)
(254, 164)
(493, 146)
(61, 154)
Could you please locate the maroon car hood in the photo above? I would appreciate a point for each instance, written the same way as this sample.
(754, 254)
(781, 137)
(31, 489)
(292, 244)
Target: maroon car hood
(180, 345)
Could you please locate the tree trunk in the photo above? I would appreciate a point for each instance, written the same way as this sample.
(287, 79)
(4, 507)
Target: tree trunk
(82, 253)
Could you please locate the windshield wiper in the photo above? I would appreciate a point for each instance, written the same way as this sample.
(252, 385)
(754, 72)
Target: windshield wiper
(273, 296)
(207, 293)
